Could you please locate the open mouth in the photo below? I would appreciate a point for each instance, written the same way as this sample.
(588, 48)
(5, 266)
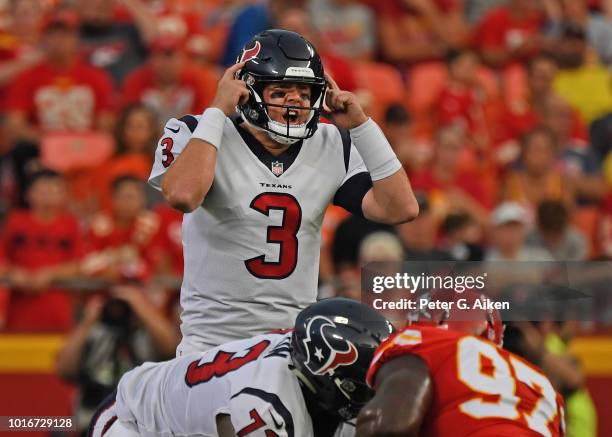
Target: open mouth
(291, 116)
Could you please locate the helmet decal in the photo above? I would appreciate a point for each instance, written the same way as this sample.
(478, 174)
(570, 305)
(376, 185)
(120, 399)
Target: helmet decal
(322, 357)
(299, 72)
(250, 53)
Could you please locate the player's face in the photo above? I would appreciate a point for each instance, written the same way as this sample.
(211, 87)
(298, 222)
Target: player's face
(289, 94)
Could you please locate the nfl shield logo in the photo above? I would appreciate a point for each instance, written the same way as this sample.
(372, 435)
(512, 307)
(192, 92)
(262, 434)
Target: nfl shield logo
(277, 168)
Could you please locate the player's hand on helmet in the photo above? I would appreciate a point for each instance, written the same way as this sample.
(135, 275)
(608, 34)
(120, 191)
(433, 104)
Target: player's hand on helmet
(343, 106)
(230, 91)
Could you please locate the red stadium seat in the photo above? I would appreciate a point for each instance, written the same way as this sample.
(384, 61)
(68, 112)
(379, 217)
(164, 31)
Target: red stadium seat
(384, 84)
(69, 151)
(427, 81)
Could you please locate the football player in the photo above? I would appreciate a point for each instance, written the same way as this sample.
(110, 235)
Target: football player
(254, 174)
(299, 383)
(446, 375)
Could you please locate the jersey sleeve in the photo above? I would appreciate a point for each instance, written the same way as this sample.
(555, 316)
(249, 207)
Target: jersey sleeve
(177, 134)
(432, 345)
(357, 181)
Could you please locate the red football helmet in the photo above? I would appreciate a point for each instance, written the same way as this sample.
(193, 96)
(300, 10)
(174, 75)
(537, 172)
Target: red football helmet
(461, 315)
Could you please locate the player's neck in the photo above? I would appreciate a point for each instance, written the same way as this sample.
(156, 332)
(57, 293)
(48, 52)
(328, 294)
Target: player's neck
(268, 143)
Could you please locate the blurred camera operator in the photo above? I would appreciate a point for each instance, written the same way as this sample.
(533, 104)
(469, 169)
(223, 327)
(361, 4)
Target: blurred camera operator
(115, 334)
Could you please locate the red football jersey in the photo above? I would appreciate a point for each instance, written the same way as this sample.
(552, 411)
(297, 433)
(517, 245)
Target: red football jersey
(130, 244)
(33, 244)
(61, 100)
(480, 389)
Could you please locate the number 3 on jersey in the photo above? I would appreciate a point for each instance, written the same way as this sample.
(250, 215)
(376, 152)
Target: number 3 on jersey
(284, 235)
(167, 144)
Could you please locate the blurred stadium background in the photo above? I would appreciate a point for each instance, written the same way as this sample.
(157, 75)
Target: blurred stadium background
(500, 111)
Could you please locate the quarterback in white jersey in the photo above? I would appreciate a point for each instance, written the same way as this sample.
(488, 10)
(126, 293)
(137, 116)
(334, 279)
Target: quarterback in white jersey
(297, 384)
(255, 186)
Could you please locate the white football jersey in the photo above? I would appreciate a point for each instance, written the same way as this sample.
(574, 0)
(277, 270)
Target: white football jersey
(248, 379)
(252, 248)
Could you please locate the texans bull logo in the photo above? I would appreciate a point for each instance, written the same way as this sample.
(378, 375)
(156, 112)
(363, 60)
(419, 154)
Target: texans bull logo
(250, 53)
(322, 357)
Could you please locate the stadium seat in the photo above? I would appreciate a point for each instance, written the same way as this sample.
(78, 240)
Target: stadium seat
(427, 81)
(370, 76)
(70, 151)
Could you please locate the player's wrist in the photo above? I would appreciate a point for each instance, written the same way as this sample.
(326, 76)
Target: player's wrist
(210, 127)
(376, 152)
(360, 120)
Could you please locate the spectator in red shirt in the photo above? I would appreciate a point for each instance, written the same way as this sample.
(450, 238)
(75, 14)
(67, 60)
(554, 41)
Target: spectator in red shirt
(38, 247)
(19, 42)
(412, 31)
(62, 93)
(511, 33)
(463, 99)
(167, 83)
(525, 115)
(450, 186)
(119, 241)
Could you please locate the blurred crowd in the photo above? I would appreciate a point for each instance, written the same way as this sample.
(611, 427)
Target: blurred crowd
(500, 111)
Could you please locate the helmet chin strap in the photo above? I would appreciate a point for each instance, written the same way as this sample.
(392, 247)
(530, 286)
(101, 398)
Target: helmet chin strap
(274, 136)
(281, 138)
(276, 128)
(304, 380)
